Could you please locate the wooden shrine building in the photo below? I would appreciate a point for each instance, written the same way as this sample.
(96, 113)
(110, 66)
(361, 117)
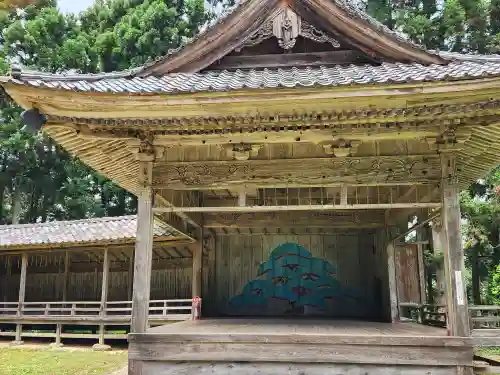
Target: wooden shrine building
(299, 137)
(73, 279)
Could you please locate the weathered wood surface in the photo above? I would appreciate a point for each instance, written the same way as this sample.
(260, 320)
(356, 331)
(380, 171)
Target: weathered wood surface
(234, 368)
(407, 273)
(288, 60)
(305, 353)
(22, 281)
(143, 250)
(301, 340)
(66, 275)
(236, 259)
(296, 172)
(337, 219)
(197, 279)
(393, 291)
(454, 263)
(105, 282)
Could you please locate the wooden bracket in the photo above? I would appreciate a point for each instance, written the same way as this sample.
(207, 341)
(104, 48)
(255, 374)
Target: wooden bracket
(449, 141)
(342, 148)
(242, 151)
(144, 148)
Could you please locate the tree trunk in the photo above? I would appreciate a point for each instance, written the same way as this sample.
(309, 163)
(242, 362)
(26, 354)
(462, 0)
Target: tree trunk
(16, 205)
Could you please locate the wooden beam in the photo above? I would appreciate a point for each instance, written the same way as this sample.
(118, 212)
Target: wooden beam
(314, 207)
(454, 263)
(197, 266)
(67, 260)
(6, 278)
(22, 294)
(335, 219)
(415, 169)
(171, 198)
(130, 275)
(85, 267)
(421, 273)
(143, 250)
(22, 279)
(104, 286)
(393, 293)
(289, 60)
(421, 241)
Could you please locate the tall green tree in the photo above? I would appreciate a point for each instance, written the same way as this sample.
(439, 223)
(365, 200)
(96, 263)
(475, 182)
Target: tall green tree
(39, 181)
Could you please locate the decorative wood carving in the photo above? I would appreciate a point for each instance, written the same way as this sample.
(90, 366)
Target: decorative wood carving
(401, 118)
(296, 172)
(242, 151)
(449, 168)
(145, 150)
(286, 26)
(342, 148)
(449, 141)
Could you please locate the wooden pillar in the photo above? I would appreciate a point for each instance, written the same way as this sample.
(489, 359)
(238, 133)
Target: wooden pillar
(67, 260)
(197, 265)
(58, 335)
(421, 272)
(393, 292)
(143, 250)
(453, 253)
(6, 281)
(101, 334)
(104, 286)
(22, 294)
(437, 246)
(130, 279)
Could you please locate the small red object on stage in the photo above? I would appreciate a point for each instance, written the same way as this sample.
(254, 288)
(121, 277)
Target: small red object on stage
(196, 309)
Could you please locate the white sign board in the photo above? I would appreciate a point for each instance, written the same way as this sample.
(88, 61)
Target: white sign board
(460, 288)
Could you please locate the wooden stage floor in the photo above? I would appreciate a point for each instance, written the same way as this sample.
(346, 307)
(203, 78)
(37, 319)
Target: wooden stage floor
(297, 326)
(249, 346)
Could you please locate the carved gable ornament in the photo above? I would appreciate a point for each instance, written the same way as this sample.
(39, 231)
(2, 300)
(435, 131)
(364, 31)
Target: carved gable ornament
(286, 26)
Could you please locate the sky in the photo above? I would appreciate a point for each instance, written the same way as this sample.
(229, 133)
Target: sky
(74, 6)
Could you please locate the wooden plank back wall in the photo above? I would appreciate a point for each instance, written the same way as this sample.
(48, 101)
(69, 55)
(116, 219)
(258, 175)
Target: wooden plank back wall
(236, 259)
(170, 283)
(381, 241)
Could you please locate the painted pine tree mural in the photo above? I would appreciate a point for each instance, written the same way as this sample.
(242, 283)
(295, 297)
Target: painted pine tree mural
(293, 282)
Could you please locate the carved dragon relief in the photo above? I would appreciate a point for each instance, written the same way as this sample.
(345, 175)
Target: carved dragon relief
(319, 171)
(286, 26)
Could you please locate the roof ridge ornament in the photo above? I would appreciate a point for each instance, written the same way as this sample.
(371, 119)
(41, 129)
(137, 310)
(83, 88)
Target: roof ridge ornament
(286, 26)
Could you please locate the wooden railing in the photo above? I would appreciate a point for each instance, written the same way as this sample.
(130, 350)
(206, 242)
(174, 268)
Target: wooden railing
(485, 317)
(484, 320)
(178, 309)
(432, 315)
(83, 319)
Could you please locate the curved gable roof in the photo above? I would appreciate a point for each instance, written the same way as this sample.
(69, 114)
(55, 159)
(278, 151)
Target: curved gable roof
(337, 17)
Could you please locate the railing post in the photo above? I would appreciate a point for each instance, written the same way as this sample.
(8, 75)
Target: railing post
(58, 343)
(164, 308)
(47, 307)
(73, 309)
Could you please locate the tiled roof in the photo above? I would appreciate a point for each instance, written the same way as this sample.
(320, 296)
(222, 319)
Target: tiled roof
(99, 230)
(350, 7)
(385, 73)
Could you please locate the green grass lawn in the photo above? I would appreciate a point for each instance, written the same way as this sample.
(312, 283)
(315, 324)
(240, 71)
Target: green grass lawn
(21, 361)
(489, 351)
